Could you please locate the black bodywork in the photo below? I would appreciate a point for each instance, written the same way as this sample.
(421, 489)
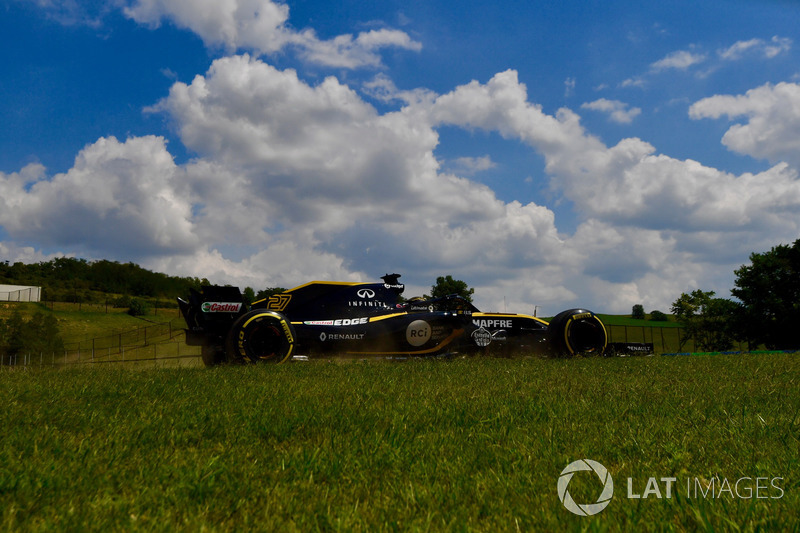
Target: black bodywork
(371, 319)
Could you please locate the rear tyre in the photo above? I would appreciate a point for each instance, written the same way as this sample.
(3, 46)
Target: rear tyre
(261, 336)
(577, 332)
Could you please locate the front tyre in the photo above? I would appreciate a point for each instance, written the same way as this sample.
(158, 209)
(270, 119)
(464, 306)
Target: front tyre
(261, 336)
(577, 331)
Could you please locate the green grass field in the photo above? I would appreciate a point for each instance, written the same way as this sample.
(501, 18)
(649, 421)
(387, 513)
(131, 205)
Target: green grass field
(87, 321)
(436, 445)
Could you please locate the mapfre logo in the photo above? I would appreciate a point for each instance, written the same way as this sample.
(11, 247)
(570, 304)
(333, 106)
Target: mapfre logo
(585, 509)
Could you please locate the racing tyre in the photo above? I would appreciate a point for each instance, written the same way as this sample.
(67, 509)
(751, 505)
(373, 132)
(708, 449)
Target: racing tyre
(577, 332)
(261, 336)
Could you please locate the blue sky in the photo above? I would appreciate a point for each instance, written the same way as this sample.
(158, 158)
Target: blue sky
(550, 154)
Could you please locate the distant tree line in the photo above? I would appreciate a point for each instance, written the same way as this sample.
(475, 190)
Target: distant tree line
(67, 279)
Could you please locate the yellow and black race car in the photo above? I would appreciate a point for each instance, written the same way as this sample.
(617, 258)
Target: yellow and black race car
(371, 319)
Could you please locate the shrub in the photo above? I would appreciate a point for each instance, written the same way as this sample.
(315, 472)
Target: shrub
(122, 302)
(38, 334)
(658, 316)
(137, 307)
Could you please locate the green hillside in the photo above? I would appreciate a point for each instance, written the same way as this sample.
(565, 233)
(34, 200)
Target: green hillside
(67, 279)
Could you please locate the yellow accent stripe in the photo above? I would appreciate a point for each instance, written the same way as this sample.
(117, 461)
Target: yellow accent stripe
(371, 319)
(509, 315)
(342, 283)
(384, 317)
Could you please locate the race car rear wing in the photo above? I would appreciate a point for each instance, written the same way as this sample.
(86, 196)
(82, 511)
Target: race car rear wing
(210, 312)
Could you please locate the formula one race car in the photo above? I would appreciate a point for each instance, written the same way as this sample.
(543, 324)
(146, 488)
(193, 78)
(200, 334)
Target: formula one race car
(371, 319)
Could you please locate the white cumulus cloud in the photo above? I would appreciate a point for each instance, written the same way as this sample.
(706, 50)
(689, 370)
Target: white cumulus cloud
(618, 112)
(295, 181)
(680, 60)
(117, 197)
(261, 26)
(759, 47)
(772, 128)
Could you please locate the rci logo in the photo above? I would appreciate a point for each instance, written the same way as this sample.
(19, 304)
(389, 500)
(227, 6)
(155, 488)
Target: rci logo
(418, 333)
(585, 509)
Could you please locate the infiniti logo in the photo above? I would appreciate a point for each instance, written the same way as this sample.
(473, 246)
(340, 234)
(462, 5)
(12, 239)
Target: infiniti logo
(366, 293)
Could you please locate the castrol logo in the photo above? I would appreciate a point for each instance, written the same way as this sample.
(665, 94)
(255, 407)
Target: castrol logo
(220, 307)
